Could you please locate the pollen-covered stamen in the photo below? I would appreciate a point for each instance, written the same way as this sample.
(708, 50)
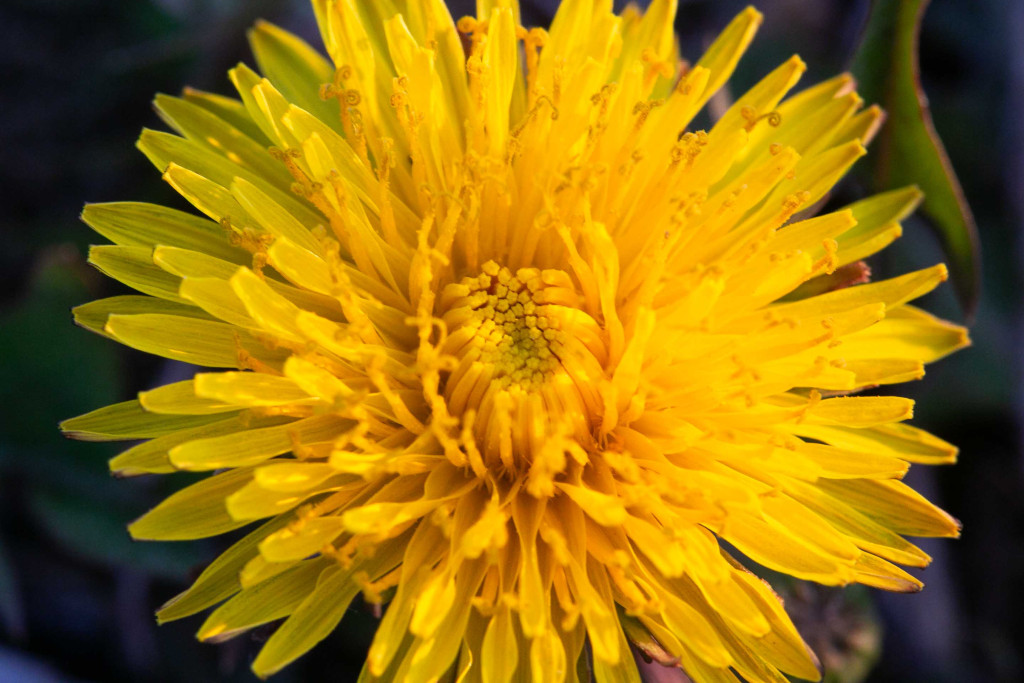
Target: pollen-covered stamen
(348, 108)
(752, 118)
(528, 359)
(655, 67)
(533, 43)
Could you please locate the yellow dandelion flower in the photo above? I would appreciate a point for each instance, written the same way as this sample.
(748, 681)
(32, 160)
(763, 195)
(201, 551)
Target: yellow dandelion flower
(503, 344)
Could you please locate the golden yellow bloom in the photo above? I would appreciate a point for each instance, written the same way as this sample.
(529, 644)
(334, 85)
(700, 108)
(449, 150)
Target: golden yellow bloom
(514, 352)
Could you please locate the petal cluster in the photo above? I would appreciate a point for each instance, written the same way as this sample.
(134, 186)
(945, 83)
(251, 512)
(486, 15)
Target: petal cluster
(500, 339)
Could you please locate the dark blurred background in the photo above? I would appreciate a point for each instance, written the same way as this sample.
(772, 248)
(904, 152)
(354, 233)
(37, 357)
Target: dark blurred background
(77, 595)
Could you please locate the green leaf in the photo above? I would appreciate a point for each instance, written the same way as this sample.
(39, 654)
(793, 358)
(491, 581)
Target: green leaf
(908, 150)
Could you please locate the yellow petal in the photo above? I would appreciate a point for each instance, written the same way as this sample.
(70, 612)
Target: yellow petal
(152, 456)
(219, 580)
(180, 399)
(906, 333)
(869, 535)
(255, 445)
(659, 547)
(318, 614)
(501, 58)
(601, 507)
(435, 600)
(229, 109)
(209, 197)
(271, 310)
(547, 657)
(500, 654)
(127, 421)
(248, 389)
(900, 440)
(874, 571)
(894, 505)
(136, 224)
(892, 293)
(782, 647)
(763, 97)
(197, 511)
(93, 316)
(215, 297)
(873, 372)
(200, 342)
(267, 601)
(164, 149)
(272, 216)
(134, 267)
(253, 501)
(721, 58)
(296, 68)
(861, 411)
(773, 545)
(221, 137)
(306, 538)
(878, 220)
(293, 476)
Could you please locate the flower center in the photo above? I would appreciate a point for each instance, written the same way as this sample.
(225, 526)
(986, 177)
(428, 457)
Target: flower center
(528, 361)
(507, 329)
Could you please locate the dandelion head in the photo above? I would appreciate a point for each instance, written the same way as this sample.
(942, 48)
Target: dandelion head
(495, 337)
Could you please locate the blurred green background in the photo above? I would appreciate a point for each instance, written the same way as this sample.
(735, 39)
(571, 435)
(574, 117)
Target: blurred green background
(77, 595)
